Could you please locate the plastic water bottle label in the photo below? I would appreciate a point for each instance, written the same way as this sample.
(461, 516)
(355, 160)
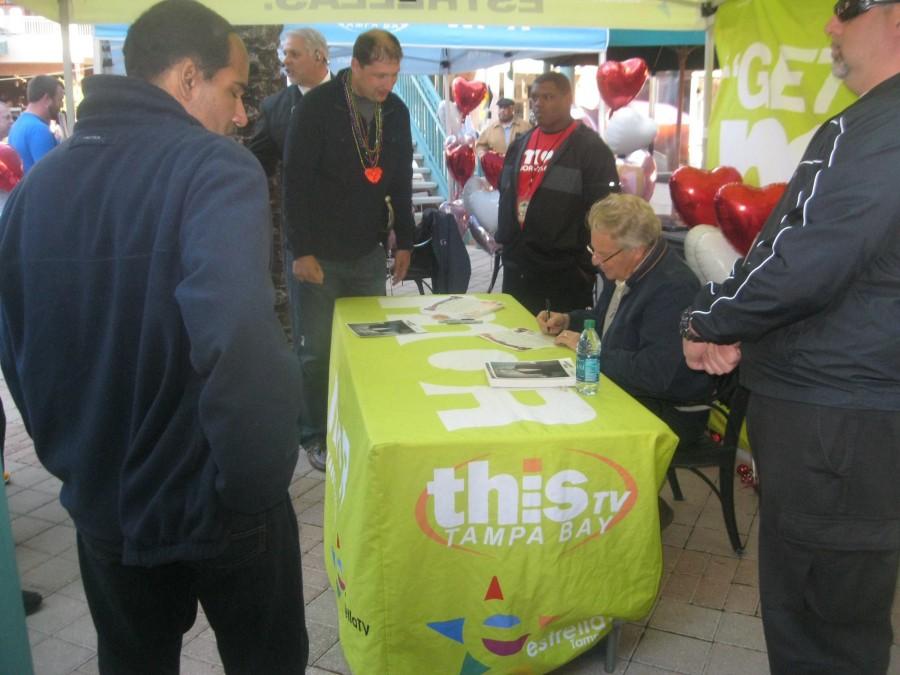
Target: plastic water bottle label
(590, 369)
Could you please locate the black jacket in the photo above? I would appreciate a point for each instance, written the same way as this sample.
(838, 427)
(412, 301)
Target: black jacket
(270, 130)
(816, 302)
(641, 351)
(338, 214)
(137, 331)
(582, 171)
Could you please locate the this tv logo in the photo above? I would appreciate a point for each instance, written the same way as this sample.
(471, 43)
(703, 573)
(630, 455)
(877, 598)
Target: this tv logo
(470, 505)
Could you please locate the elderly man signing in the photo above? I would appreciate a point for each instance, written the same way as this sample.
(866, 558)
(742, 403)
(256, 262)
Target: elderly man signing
(637, 313)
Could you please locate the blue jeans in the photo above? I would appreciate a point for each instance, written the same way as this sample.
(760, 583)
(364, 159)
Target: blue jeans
(252, 595)
(364, 276)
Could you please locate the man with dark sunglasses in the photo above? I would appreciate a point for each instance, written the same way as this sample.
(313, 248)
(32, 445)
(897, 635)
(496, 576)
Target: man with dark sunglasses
(813, 317)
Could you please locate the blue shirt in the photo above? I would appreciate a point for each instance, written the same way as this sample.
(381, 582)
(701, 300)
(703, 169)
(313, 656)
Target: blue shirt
(32, 138)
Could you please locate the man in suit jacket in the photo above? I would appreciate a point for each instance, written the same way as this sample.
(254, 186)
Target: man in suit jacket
(304, 55)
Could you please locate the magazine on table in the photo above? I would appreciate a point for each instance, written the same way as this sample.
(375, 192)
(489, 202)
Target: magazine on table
(520, 339)
(531, 374)
(461, 307)
(385, 328)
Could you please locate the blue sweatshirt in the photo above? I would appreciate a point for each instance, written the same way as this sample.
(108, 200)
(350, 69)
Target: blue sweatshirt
(137, 330)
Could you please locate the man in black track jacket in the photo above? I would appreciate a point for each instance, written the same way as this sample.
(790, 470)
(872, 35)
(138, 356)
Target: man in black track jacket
(812, 315)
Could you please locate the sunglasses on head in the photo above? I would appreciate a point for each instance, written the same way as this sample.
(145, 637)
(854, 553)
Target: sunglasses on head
(845, 10)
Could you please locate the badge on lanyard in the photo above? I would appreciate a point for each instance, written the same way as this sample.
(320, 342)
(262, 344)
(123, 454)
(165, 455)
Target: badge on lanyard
(523, 209)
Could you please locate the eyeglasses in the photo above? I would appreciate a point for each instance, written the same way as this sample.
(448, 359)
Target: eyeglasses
(611, 255)
(845, 10)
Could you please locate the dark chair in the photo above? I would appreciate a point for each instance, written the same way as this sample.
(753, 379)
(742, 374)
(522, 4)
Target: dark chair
(440, 255)
(731, 400)
(421, 265)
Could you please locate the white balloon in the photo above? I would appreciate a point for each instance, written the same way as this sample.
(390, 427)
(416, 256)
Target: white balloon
(709, 254)
(628, 130)
(475, 184)
(482, 202)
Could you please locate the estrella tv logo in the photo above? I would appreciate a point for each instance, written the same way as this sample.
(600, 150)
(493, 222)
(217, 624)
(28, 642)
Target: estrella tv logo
(477, 507)
(498, 635)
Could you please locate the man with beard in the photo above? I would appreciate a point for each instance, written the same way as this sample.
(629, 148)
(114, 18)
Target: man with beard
(31, 135)
(812, 317)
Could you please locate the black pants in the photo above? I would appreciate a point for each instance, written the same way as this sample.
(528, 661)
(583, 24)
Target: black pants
(829, 534)
(252, 595)
(566, 289)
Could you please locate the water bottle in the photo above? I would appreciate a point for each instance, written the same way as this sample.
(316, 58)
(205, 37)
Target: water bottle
(587, 360)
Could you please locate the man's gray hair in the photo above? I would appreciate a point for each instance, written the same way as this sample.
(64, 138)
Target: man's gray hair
(626, 218)
(313, 40)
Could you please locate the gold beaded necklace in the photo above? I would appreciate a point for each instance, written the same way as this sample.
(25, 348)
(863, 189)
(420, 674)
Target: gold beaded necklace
(368, 156)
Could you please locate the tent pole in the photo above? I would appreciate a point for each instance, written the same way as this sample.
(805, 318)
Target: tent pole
(709, 56)
(602, 109)
(68, 75)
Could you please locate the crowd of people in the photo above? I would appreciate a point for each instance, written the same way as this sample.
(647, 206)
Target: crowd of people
(138, 336)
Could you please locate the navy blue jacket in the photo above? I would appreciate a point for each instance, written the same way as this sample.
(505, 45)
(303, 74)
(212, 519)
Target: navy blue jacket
(816, 302)
(642, 350)
(137, 331)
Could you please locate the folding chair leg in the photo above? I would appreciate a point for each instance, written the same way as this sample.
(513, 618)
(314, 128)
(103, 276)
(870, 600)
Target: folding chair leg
(726, 496)
(673, 483)
(612, 647)
(420, 287)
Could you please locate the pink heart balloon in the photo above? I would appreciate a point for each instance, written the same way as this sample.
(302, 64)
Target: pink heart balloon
(468, 95)
(693, 191)
(620, 82)
(742, 210)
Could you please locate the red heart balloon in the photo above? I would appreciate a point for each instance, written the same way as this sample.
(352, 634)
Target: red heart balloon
(693, 191)
(10, 167)
(492, 165)
(468, 95)
(620, 82)
(742, 211)
(461, 163)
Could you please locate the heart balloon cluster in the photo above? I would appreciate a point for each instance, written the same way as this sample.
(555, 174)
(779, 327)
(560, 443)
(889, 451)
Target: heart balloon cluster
(620, 81)
(693, 191)
(467, 94)
(725, 216)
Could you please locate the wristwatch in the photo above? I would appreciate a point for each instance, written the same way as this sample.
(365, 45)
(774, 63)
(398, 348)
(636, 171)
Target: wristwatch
(685, 328)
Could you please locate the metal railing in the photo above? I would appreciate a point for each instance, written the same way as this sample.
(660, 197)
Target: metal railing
(420, 96)
(17, 24)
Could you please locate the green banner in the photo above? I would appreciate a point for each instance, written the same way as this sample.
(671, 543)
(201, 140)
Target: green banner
(776, 87)
(666, 15)
(471, 529)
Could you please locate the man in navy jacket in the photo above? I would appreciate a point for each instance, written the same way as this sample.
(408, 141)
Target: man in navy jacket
(139, 341)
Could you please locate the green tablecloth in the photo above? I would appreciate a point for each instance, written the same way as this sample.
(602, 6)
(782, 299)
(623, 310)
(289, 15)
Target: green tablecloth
(471, 529)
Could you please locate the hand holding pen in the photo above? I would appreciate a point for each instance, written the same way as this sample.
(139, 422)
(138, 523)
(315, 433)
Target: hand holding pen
(552, 323)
